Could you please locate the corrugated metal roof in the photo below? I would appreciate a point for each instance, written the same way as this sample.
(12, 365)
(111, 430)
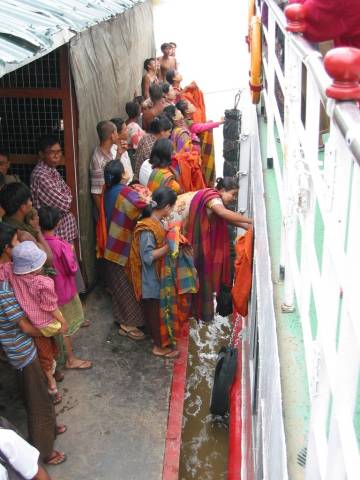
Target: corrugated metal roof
(32, 28)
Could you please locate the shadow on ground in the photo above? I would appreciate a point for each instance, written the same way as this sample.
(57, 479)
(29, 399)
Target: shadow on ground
(116, 412)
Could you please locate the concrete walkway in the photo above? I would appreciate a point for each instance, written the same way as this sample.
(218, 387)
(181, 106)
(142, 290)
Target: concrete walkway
(116, 413)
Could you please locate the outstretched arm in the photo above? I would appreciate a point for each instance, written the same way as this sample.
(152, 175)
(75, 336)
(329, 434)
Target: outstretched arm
(234, 218)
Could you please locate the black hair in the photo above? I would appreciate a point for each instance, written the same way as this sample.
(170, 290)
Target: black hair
(165, 87)
(147, 63)
(164, 46)
(182, 105)
(3, 152)
(49, 217)
(7, 233)
(160, 124)
(132, 109)
(227, 183)
(104, 129)
(170, 112)
(161, 197)
(160, 156)
(47, 141)
(138, 99)
(173, 44)
(170, 75)
(13, 196)
(113, 173)
(118, 122)
(155, 92)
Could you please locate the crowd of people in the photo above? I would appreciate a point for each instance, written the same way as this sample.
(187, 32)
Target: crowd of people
(162, 240)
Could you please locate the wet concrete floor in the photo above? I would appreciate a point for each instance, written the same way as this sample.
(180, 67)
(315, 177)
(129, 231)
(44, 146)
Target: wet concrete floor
(116, 413)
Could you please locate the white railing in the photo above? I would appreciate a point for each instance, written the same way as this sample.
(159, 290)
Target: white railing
(320, 246)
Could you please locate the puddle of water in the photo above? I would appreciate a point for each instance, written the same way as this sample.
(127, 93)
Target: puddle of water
(205, 437)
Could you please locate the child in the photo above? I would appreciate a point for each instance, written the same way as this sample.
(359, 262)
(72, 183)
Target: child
(147, 248)
(36, 295)
(65, 264)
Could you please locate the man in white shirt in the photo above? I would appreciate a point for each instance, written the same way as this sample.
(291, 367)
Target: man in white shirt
(17, 454)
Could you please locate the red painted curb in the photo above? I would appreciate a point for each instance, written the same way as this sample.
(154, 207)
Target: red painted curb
(171, 460)
(235, 420)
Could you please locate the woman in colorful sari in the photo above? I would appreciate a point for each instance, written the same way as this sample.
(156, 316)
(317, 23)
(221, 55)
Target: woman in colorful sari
(204, 216)
(147, 249)
(180, 135)
(122, 207)
(202, 139)
(162, 174)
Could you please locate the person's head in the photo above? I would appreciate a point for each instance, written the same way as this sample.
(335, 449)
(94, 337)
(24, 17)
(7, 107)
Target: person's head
(150, 65)
(163, 201)
(121, 128)
(113, 173)
(107, 131)
(4, 162)
(49, 218)
(156, 93)
(27, 257)
(8, 239)
(32, 218)
(165, 88)
(186, 108)
(16, 198)
(50, 150)
(173, 49)
(173, 77)
(166, 49)
(228, 188)
(160, 156)
(132, 110)
(161, 126)
(174, 115)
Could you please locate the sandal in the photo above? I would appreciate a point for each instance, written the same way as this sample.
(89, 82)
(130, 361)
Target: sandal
(55, 458)
(79, 365)
(172, 354)
(60, 429)
(133, 333)
(85, 324)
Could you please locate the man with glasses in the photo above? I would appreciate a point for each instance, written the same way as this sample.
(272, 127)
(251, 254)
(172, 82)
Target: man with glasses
(48, 188)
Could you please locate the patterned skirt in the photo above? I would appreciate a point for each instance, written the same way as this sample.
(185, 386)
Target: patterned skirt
(126, 309)
(73, 314)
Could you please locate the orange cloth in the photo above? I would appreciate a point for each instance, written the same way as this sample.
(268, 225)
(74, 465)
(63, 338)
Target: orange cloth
(243, 272)
(134, 266)
(189, 165)
(101, 229)
(194, 95)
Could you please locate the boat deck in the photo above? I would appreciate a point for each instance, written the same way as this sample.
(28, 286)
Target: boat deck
(116, 412)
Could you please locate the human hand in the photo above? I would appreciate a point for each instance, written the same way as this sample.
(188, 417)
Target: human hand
(222, 120)
(64, 327)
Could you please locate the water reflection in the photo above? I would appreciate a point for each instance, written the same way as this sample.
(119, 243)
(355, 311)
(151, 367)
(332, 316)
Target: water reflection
(205, 437)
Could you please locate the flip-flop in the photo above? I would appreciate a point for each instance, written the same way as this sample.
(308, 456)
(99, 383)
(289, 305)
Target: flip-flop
(172, 354)
(133, 334)
(56, 458)
(84, 365)
(85, 324)
(60, 429)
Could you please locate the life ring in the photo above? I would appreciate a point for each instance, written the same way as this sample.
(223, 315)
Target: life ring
(255, 59)
(251, 13)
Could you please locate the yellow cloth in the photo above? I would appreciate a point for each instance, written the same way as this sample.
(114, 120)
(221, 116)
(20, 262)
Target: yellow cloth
(51, 329)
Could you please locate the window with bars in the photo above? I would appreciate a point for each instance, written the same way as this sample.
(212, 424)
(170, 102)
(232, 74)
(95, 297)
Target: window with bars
(42, 73)
(24, 120)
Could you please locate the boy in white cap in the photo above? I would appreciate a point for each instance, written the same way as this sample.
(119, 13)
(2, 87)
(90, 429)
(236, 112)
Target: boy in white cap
(36, 295)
